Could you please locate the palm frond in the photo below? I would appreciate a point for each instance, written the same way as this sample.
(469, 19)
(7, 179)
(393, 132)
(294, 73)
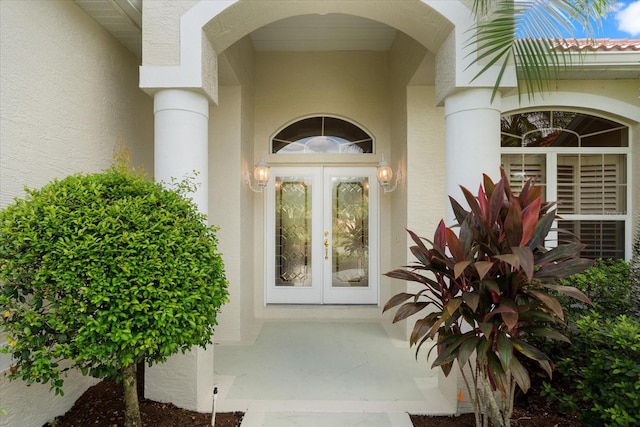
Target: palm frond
(528, 34)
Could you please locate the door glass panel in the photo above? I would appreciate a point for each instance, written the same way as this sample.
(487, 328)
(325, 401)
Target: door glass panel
(350, 245)
(293, 231)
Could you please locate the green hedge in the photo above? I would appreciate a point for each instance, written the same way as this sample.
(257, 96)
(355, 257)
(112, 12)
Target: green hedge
(607, 284)
(600, 370)
(606, 370)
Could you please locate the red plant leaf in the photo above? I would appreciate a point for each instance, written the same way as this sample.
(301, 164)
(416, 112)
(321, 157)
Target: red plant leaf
(453, 305)
(525, 258)
(545, 331)
(541, 230)
(497, 201)
(472, 202)
(570, 291)
(483, 202)
(411, 277)
(467, 348)
(520, 374)
(568, 250)
(502, 308)
(396, 300)
(439, 237)
(472, 299)
(409, 309)
(483, 267)
(489, 186)
(513, 224)
(418, 240)
(494, 368)
(511, 259)
(466, 236)
(510, 317)
(458, 211)
(505, 350)
(549, 301)
(530, 217)
(421, 328)
(564, 269)
(454, 245)
(507, 184)
(459, 268)
(529, 351)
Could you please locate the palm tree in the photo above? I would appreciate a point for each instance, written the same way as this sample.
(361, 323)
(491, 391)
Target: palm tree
(533, 35)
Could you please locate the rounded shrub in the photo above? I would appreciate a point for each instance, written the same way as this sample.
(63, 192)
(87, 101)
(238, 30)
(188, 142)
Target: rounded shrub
(104, 271)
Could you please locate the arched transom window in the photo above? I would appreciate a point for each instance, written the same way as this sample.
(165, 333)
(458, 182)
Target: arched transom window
(582, 162)
(322, 135)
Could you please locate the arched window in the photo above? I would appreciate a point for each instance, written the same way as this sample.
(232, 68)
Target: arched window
(322, 135)
(582, 163)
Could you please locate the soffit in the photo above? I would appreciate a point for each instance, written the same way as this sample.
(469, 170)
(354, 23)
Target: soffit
(121, 18)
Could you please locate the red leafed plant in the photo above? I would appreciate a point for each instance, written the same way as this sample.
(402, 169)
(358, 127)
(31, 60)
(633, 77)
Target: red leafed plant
(487, 288)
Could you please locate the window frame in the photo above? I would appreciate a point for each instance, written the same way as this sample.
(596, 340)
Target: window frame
(551, 154)
(322, 116)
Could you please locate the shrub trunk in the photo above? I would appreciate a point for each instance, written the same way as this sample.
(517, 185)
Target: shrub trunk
(132, 416)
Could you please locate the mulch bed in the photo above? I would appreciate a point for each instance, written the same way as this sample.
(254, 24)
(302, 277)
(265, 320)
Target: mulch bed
(102, 406)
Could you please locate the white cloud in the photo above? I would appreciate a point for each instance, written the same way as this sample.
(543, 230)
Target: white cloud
(628, 18)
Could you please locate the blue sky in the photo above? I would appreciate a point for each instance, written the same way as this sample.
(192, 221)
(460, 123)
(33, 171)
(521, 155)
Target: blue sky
(623, 22)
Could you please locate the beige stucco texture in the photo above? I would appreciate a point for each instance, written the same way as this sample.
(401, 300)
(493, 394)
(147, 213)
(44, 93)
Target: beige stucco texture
(70, 97)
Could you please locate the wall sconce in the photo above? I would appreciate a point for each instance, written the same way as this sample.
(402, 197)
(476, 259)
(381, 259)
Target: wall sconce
(385, 174)
(260, 175)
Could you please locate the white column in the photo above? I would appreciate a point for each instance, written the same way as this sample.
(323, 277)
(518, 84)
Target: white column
(181, 147)
(472, 141)
(182, 139)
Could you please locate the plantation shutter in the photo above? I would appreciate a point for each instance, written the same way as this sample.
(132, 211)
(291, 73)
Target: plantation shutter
(519, 168)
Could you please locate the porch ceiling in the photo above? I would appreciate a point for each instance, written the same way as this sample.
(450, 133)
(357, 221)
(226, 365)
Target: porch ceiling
(328, 32)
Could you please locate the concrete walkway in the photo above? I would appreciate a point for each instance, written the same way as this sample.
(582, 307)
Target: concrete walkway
(325, 374)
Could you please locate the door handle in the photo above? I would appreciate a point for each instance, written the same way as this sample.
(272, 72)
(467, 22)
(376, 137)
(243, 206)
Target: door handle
(326, 245)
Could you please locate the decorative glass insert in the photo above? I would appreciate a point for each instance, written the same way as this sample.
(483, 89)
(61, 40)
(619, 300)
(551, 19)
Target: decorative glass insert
(561, 129)
(293, 231)
(350, 211)
(322, 135)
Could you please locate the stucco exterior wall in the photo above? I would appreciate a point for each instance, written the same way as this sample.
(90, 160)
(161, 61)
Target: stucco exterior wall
(161, 30)
(297, 84)
(69, 96)
(405, 57)
(231, 204)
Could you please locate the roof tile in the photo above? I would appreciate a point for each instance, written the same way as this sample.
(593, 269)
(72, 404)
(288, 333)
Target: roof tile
(601, 45)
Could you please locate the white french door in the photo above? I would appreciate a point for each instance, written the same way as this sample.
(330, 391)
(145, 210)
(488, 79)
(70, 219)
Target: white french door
(322, 236)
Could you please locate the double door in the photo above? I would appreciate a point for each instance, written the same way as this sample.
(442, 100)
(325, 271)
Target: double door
(321, 240)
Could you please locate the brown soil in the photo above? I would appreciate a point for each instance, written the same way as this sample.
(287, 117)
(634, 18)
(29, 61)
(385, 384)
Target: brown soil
(102, 406)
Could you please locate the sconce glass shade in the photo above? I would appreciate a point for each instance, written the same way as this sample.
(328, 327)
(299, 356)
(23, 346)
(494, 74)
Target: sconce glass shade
(261, 173)
(384, 173)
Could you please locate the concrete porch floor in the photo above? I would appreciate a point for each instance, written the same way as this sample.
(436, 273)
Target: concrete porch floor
(325, 374)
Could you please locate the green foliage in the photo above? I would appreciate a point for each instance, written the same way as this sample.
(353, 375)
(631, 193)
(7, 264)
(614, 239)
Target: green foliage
(541, 26)
(607, 284)
(605, 370)
(488, 288)
(635, 273)
(105, 270)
